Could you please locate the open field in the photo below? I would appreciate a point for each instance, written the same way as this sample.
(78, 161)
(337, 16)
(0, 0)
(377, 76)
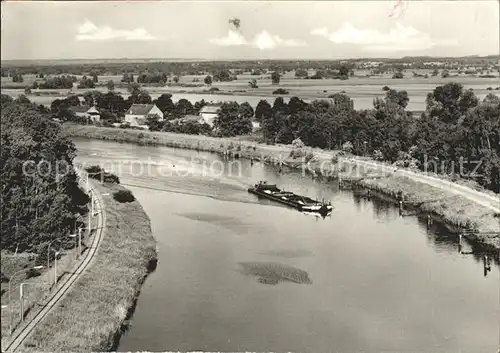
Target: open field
(361, 89)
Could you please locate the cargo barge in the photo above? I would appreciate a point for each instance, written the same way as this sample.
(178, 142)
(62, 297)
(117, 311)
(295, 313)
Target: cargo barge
(302, 203)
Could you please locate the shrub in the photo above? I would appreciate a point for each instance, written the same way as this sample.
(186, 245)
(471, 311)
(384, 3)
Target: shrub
(385, 88)
(213, 89)
(32, 273)
(280, 91)
(489, 88)
(3, 278)
(309, 156)
(123, 196)
(96, 172)
(125, 125)
(347, 147)
(378, 155)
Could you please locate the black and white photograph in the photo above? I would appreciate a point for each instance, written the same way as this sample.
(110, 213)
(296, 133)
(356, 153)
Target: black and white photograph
(250, 176)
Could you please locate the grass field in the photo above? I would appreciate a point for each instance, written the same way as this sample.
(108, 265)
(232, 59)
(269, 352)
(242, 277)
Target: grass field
(360, 88)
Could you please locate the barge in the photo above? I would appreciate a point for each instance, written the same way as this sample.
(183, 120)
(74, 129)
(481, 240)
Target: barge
(302, 203)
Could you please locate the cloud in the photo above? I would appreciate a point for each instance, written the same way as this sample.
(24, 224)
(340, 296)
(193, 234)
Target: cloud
(263, 40)
(89, 31)
(232, 38)
(399, 38)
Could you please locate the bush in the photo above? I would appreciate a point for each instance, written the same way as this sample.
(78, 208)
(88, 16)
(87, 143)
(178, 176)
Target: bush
(96, 172)
(3, 278)
(385, 88)
(213, 89)
(378, 155)
(32, 273)
(123, 196)
(125, 125)
(347, 147)
(309, 156)
(280, 91)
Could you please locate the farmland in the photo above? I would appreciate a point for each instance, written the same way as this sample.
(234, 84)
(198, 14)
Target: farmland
(361, 88)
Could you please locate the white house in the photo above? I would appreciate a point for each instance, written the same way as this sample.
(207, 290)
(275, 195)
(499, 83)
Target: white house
(86, 112)
(209, 113)
(137, 114)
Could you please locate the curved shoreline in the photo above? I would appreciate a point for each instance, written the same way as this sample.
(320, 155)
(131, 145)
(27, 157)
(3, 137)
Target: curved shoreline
(104, 297)
(451, 206)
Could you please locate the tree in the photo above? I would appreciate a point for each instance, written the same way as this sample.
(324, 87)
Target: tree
(139, 96)
(263, 110)
(229, 121)
(342, 101)
(17, 78)
(154, 123)
(208, 80)
(176, 79)
(199, 105)
(165, 104)
(37, 205)
(275, 77)
(125, 78)
(398, 97)
(491, 99)
(253, 83)
(301, 73)
(246, 111)
(86, 83)
(182, 108)
(344, 72)
(94, 76)
(296, 105)
(110, 85)
(445, 74)
(6, 100)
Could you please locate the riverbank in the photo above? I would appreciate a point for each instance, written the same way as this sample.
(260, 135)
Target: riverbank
(94, 314)
(449, 205)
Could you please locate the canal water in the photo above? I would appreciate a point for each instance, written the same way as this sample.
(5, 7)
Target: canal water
(239, 274)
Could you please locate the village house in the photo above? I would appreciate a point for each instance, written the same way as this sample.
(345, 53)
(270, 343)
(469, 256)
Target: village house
(209, 113)
(85, 112)
(137, 114)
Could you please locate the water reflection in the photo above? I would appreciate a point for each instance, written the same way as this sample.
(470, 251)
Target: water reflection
(443, 237)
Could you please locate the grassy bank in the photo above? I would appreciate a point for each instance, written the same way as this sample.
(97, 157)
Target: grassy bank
(453, 209)
(92, 316)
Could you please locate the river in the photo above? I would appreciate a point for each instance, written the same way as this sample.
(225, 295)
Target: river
(239, 274)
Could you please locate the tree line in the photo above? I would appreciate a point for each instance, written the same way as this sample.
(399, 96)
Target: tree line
(40, 196)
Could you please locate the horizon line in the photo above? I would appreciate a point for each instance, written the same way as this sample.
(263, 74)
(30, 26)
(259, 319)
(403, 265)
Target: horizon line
(157, 59)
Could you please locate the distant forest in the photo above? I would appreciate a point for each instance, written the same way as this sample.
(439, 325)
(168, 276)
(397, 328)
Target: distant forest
(119, 67)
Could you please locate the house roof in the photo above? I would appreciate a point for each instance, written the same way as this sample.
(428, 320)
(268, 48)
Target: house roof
(210, 109)
(93, 110)
(191, 118)
(139, 109)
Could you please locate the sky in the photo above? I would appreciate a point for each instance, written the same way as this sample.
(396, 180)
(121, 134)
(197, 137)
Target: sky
(268, 30)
